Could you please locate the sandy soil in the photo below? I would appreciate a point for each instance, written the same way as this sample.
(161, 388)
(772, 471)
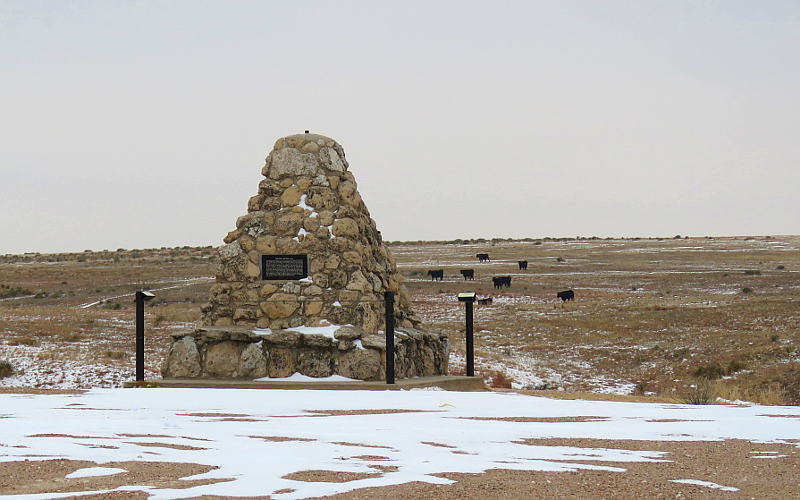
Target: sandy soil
(731, 464)
(48, 476)
(34, 390)
(727, 463)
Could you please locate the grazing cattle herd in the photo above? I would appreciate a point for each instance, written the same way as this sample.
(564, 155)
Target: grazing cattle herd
(501, 281)
(566, 295)
(498, 281)
(436, 274)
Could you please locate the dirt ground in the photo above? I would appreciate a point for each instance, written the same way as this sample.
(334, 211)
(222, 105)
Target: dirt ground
(763, 471)
(679, 318)
(726, 463)
(688, 319)
(48, 476)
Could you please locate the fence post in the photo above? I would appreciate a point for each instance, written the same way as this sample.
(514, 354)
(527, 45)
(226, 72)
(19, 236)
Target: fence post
(139, 336)
(140, 298)
(468, 298)
(470, 346)
(389, 299)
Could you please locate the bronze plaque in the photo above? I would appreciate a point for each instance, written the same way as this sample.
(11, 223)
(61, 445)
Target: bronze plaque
(284, 267)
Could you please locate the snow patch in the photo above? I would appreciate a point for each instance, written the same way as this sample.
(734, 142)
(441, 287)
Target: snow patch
(302, 204)
(299, 377)
(94, 472)
(435, 416)
(707, 484)
(326, 331)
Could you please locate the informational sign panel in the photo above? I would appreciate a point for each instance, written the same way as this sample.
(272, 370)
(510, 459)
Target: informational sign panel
(284, 267)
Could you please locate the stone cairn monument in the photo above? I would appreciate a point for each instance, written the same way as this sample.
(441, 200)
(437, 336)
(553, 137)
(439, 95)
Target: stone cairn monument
(301, 281)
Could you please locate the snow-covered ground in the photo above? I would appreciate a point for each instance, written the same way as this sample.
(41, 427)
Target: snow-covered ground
(256, 438)
(34, 366)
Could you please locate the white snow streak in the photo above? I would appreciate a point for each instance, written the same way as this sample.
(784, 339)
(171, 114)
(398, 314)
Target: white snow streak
(256, 466)
(94, 472)
(707, 484)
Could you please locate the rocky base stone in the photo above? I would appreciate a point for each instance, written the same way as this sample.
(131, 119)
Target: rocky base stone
(349, 351)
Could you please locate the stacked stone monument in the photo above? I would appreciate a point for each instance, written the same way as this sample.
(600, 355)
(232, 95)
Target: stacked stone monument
(301, 281)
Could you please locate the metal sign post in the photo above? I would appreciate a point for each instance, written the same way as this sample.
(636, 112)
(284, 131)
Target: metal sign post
(141, 297)
(468, 299)
(389, 298)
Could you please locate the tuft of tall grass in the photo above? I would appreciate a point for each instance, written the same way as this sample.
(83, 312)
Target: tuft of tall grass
(715, 370)
(771, 394)
(702, 393)
(7, 291)
(6, 369)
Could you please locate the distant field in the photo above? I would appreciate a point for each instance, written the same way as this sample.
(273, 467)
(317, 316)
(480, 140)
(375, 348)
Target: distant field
(675, 318)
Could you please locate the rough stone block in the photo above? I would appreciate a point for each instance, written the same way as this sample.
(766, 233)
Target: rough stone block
(315, 362)
(375, 342)
(280, 305)
(183, 360)
(283, 338)
(289, 161)
(361, 364)
(222, 359)
(253, 362)
(317, 340)
(348, 332)
(281, 362)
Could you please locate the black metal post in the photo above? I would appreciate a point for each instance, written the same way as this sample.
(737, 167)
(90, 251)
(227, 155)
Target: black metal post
(139, 336)
(470, 346)
(389, 299)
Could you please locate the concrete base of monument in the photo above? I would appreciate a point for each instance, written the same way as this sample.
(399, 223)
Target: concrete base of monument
(445, 382)
(247, 353)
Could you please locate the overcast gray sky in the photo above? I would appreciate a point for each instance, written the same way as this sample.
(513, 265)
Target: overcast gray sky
(145, 124)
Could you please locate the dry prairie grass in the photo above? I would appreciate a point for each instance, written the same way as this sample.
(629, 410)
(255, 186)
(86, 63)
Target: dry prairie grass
(648, 313)
(53, 328)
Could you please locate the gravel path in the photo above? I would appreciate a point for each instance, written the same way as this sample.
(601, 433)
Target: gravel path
(763, 471)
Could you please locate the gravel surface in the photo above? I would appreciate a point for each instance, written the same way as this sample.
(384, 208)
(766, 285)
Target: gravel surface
(732, 463)
(762, 471)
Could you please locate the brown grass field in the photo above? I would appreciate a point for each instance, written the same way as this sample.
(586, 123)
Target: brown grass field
(686, 319)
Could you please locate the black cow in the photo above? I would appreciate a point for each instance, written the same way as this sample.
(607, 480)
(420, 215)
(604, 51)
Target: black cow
(523, 264)
(468, 274)
(566, 295)
(501, 281)
(483, 257)
(436, 274)
(485, 302)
